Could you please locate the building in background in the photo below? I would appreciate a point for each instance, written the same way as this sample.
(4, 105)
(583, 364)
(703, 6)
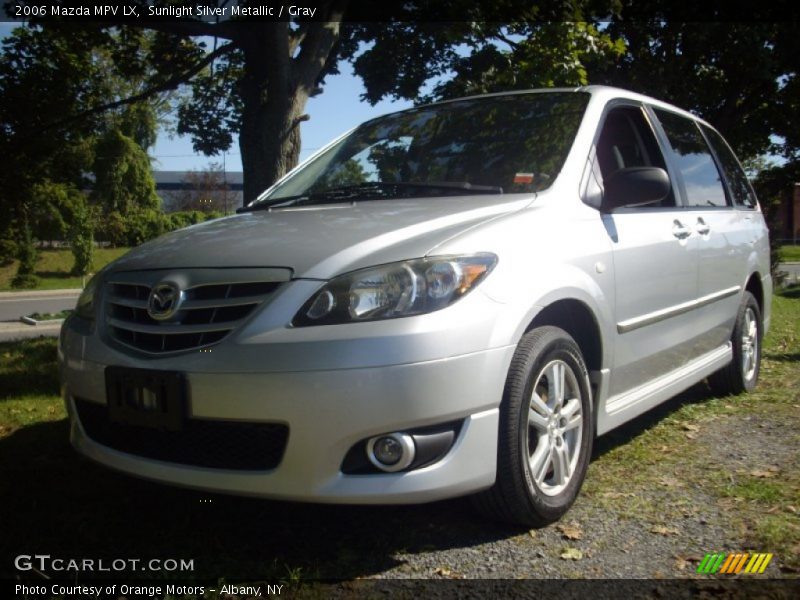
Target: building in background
(212, 190)
(787, 218)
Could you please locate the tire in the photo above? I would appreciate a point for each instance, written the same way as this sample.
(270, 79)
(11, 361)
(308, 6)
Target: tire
(544, 443)
(741, 374)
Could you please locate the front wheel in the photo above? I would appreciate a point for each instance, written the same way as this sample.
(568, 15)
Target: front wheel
(741, 374)
(546, 431)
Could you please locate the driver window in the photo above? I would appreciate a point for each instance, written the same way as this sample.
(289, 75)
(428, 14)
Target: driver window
(627, 140)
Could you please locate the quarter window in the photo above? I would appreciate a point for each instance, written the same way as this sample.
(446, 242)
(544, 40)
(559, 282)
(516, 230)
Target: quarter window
(693, 159)
(738, 185)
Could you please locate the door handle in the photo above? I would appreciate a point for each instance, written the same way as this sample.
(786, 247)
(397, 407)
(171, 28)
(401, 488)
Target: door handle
(679, 230)
(702, 227)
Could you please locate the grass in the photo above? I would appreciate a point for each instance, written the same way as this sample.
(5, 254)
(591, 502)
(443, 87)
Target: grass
(53, 268)
(65, 505)
(759, 489)
(790, 253)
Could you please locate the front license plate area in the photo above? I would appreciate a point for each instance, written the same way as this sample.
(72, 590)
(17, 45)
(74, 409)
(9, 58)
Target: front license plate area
(146, 398)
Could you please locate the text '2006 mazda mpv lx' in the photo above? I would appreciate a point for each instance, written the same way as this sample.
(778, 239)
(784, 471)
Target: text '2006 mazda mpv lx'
(453, 299)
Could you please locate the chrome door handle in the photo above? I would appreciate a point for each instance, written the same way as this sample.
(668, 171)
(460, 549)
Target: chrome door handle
(702, 227)
(679, 230)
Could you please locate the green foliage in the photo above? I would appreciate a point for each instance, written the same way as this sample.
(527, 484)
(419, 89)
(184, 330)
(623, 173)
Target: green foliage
(26, 253)
(742, 77)
(143, 224)
(112, 228)
(139, 123)
(55, 207)
(544, 55)
(123, 179)
(80, 235)
(181, 219)
(52, 78)
(8, 251)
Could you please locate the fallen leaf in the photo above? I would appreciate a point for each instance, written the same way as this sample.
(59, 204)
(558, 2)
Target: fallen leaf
(618, 495)
(572, 554)
(670, 482)
(533, 533)
(691, 436)
(791, 509)
(690, 427)
(763, 474)
(444, 572)
(664, 530)
(570, 531)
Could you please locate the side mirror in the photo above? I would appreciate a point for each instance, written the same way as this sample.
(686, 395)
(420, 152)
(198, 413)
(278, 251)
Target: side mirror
(635, 186)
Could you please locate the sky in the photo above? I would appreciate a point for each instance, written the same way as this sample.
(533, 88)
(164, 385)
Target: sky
(338, 109)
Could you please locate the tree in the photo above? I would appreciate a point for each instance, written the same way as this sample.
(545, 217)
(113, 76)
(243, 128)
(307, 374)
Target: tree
(42, 74)
(123, 179)
(64, 213)
(61, 72)
(742, 77)
(257, 80)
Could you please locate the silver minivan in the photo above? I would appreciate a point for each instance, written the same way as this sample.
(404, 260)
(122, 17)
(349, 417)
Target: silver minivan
(454, 299)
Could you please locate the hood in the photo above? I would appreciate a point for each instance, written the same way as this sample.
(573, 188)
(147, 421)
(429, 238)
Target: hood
(320, 242)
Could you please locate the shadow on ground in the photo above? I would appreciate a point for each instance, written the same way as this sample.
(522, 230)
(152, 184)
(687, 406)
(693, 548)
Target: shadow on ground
(57, 503)
(28, 368)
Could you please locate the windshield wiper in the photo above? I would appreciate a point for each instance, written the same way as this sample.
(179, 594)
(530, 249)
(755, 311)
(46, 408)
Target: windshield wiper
(374, 190)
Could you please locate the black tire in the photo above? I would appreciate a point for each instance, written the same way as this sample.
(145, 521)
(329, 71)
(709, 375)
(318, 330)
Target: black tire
(736, 378)
(516, 496)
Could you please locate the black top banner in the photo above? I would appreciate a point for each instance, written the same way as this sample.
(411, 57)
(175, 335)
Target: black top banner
(216, 11)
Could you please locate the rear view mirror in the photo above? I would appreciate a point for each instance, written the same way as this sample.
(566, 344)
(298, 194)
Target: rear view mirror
(635, 186)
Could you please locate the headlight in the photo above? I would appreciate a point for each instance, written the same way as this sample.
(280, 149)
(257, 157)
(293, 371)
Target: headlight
(402, 289)
(85, 306)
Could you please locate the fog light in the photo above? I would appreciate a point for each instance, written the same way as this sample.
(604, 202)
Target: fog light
(391, 452)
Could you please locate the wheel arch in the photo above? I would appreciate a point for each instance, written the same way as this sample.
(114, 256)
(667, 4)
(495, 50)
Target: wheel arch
(580, 322)
(755, 287)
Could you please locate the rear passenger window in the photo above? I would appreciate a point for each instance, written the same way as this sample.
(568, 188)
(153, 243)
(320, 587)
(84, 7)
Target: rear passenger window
(627, 140)
(694, 161)
(738, 185)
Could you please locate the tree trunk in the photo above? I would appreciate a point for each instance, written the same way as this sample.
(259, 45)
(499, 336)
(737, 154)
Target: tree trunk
(275, 87)
(269, 142)
(269, 139)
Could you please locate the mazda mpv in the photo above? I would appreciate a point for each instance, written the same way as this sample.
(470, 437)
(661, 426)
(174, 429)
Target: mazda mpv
(450, 300)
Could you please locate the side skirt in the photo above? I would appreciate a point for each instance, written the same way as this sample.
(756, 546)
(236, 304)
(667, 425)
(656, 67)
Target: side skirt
(621, 408)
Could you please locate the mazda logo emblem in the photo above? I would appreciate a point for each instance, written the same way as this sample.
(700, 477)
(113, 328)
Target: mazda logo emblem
(165, 301)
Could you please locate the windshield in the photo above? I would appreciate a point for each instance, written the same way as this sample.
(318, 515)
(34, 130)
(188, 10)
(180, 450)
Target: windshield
(488, 145)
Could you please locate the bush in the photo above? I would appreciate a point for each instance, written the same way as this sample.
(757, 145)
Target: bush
(80, 238)
(181, 219)
(26, 253)
(8, 251)
(111, 228)
(142, 225)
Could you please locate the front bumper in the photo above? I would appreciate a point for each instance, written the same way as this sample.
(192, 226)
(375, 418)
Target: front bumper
(327, 412)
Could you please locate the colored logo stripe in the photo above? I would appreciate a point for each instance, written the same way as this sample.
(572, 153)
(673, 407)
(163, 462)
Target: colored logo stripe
(734, 563)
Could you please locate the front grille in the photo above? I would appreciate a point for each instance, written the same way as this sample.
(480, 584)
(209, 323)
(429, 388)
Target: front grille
(209, 312)
(201, 443)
